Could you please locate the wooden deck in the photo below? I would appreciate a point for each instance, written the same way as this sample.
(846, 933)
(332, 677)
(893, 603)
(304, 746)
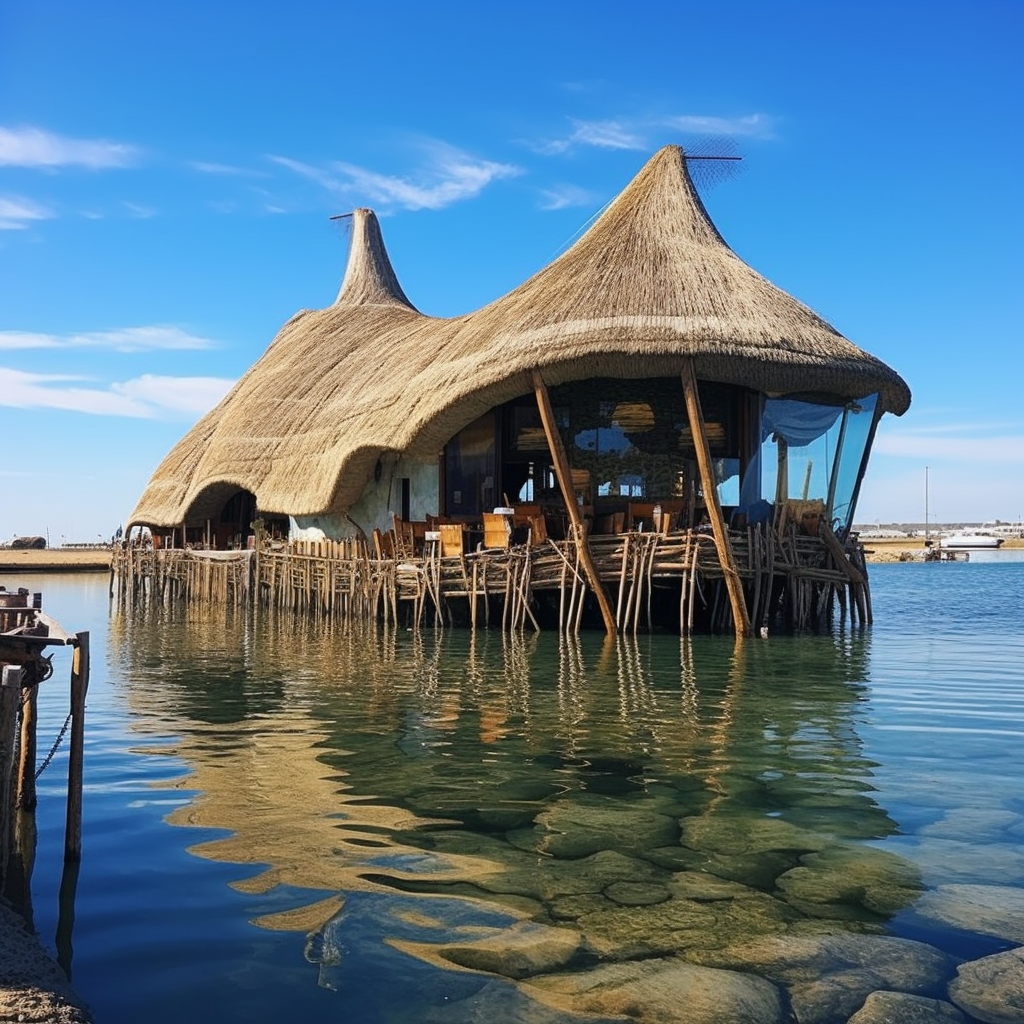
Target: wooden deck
(671, 581)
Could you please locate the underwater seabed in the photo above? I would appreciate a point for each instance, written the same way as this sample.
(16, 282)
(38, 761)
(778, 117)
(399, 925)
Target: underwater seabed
(400, 825)
(557, 826)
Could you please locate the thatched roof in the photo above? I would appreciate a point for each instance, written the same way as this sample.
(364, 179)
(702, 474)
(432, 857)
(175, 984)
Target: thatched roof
(650, 285)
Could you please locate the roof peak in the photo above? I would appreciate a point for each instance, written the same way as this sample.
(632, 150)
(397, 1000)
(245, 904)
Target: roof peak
(664, 188)
(369, 277)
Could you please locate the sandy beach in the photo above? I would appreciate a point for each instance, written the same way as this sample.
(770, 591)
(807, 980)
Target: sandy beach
(33, 989)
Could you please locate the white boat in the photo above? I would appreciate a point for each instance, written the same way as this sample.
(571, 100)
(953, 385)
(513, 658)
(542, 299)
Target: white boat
(965, 541)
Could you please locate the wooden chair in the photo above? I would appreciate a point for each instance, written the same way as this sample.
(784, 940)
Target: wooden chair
(525, 511)
(613, 522)
(496, 530)
(419, 534)
(637, 511)
(531, 519)
(537, 526)
(405, 538)
(383, 544)
(452, 542)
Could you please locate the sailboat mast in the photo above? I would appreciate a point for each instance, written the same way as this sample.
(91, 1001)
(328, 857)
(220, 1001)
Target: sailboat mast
(926, 505)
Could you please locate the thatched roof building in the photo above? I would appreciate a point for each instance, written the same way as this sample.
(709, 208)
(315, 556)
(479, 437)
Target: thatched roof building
(651, 287)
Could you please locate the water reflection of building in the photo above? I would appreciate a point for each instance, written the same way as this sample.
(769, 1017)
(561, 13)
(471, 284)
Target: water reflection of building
(363, 760)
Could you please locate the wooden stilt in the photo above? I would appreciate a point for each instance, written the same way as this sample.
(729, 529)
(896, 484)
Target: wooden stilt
(10, 697)
(26, 798)
(79, 689)
(622, 580)
(564, 475)
(740, 617)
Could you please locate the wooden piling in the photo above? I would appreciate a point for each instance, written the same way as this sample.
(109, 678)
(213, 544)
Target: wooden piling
(10, 698)
(26, 793)
(79, 689)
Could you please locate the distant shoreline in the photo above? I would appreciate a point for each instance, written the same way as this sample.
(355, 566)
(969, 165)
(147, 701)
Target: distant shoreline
(21, 560)
(910, 549)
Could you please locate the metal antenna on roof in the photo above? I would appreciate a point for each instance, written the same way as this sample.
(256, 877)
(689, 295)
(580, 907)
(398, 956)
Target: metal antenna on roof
(343, 224)
(711, 160)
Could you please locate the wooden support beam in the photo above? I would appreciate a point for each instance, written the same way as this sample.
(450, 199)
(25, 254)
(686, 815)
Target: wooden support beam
(740, 617)
(564, 474)
(10, 698)
(79, 689)
(26, 793)
(845, 566)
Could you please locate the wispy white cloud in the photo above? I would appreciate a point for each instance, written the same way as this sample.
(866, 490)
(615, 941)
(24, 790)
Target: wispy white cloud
(125, 339)
(602, 134)
(561, 196)
(224, 170)
(447, 176)
(641, 133)
(36, 147)
(759, 126)
(308, 171)
(17, 213)
(146, 397)
(138, 211)
(187, 395)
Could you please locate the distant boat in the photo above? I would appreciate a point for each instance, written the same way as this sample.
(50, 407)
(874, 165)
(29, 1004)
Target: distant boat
(965, 541)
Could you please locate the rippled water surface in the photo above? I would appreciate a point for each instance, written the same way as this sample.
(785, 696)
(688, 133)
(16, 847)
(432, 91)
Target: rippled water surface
(291, 821)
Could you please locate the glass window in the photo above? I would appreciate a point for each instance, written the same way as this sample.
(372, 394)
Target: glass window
(469, 464)
(810, 450)
(634, 438)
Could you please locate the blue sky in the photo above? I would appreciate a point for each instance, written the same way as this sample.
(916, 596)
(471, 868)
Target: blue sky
(167, 175)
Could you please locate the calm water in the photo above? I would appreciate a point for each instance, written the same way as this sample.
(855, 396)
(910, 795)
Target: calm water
(288, 821)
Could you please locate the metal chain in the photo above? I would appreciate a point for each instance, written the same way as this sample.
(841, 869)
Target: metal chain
(53, 750)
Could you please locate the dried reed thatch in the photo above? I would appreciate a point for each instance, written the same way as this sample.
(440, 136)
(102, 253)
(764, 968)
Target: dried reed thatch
(650, 285)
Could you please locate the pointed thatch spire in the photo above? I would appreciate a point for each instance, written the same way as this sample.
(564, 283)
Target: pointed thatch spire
(370, 280)
(652, 282)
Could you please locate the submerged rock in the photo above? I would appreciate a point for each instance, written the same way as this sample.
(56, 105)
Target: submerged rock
(636, 894)
(584, 826)
(663, 992)
(840, 880)
(548, 878)
(949, 861)
(990, 909)
(735, 834)
(975, 824)
(900, 1008)
(502, 1001)
(992, 988)
(523, 950)
(830, 976)
(757, 869)
(626, 933)
(706, 888)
